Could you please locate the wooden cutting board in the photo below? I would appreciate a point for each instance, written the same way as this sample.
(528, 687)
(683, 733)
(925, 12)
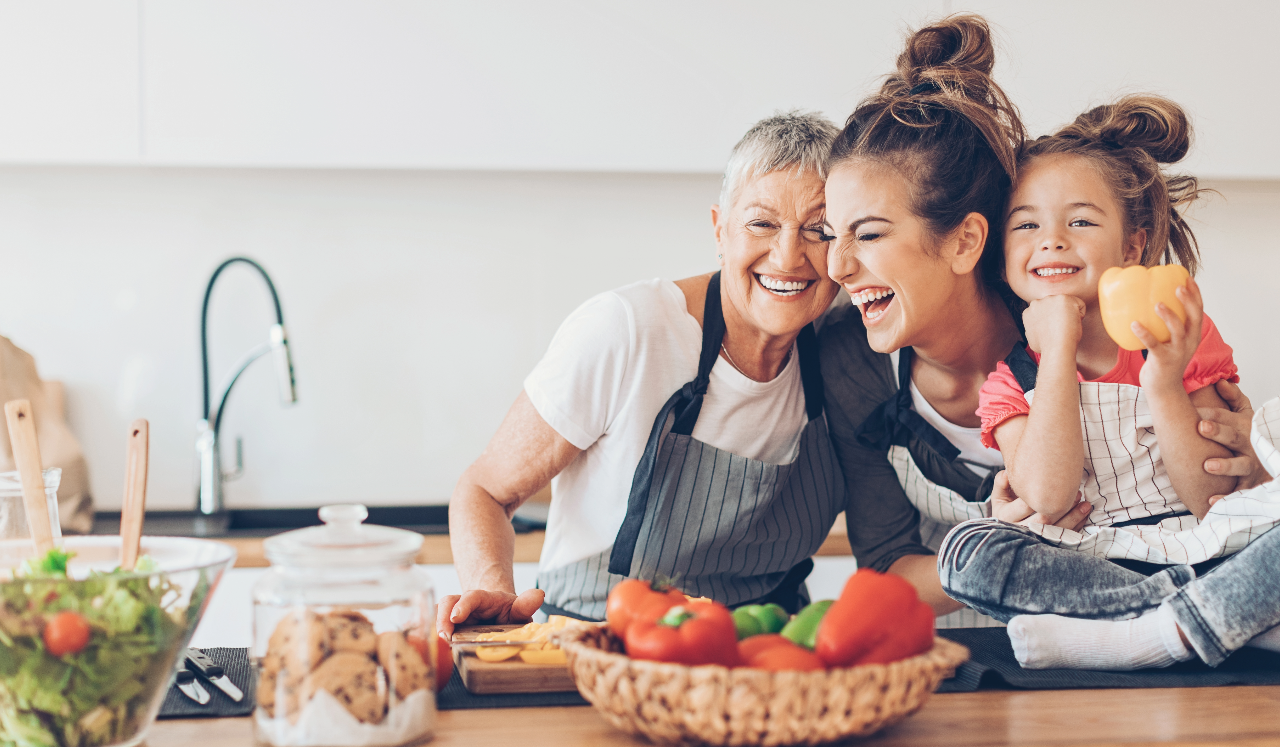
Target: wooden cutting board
(510, 676)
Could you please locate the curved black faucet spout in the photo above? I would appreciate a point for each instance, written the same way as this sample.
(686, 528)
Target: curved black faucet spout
(211, 476)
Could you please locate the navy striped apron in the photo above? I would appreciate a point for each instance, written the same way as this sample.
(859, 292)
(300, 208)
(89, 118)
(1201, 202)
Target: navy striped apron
(891, 427)
(714, 523)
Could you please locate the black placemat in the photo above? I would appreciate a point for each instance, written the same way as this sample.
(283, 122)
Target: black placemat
(993, 666)
(456, 697)
(235, 662)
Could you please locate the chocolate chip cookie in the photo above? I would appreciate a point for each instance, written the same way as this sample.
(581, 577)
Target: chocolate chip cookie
(350, 631)
(403, 664)
(299, 643)
(353, 680)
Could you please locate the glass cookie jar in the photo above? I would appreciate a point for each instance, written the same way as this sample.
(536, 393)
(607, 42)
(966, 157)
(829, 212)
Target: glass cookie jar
(344, 637)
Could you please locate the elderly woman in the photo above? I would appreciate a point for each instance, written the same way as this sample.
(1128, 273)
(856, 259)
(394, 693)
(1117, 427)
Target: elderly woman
(680, 423)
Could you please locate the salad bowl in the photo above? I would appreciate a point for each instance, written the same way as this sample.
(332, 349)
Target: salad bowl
(87, 651)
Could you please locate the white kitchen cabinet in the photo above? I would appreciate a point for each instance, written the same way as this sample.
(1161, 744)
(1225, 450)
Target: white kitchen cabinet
(666, 85)
(572, 85)
(69, 81)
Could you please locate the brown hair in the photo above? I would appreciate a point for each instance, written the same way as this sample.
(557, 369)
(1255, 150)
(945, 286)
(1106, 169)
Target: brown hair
(945, 124)
(1128, 141)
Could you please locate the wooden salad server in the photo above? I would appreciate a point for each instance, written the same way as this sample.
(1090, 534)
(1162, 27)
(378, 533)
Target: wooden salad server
(135, 493)
(26, 454)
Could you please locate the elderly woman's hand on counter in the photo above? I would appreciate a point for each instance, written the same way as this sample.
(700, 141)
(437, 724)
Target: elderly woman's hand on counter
(521, 457)
(497, 607)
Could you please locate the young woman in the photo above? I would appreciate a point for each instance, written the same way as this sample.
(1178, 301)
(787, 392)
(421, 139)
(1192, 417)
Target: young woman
(916, 193)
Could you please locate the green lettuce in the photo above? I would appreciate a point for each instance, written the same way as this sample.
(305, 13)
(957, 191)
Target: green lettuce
(100, 694)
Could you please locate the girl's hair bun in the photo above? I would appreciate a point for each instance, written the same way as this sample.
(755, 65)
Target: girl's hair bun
(956, 44)
(1150, 123)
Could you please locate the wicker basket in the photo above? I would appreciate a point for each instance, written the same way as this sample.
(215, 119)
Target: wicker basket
(720, 706)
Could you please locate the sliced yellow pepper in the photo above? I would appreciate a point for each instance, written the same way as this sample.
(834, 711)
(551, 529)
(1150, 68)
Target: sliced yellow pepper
(551, 656)
(497, 653)
(539, 650)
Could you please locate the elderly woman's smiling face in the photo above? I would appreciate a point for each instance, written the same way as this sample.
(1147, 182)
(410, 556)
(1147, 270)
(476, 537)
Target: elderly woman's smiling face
(774, 258)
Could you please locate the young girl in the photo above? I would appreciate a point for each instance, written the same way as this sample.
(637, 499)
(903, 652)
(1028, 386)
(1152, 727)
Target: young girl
(1075, 415)
(1090, 198)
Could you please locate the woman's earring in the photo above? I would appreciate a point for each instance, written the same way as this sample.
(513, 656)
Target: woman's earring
(719, 256)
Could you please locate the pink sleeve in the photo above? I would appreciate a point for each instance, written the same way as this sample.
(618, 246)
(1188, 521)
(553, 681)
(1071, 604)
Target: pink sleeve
(1211, 363)
(1000, 399)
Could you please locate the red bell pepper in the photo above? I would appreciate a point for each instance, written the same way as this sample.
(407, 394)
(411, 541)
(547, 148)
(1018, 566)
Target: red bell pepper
(878, 618)
(634, 599)
(749, 647)
(693, 633)
(772, 651)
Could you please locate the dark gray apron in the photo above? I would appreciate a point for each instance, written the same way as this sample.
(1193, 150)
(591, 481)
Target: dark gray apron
(716, 524)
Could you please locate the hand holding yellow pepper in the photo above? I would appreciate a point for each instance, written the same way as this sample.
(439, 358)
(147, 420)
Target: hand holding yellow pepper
(1130, 294)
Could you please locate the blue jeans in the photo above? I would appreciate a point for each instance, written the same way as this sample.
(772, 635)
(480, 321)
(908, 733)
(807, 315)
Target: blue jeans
(1005, 570)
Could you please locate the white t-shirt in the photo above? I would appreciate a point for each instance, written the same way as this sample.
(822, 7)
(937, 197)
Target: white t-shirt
(968, 440)
(973, 453)
(610, 368)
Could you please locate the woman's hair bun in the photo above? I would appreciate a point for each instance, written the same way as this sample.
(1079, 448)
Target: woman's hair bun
(956, 44)
(1150, 123)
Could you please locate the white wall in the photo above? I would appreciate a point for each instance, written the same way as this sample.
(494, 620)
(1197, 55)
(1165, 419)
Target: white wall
(417, 299)
(416, 302)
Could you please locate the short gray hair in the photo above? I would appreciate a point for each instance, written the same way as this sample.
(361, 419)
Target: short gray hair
(793, 139)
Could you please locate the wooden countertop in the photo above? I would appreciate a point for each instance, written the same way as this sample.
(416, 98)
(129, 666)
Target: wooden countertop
(435, 548)
(1174, 717)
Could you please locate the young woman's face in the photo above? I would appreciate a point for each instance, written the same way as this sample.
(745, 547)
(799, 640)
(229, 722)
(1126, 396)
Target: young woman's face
(1064, 230)
(885, 258)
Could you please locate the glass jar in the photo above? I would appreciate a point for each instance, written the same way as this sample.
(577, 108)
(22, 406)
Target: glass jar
(13, 512)
(344, 637)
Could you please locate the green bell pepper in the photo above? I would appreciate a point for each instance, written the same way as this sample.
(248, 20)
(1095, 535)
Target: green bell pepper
(756, 619)
(803, 628)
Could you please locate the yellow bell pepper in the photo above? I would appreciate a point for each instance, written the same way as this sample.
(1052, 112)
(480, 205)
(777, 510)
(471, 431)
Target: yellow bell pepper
(1130, 295)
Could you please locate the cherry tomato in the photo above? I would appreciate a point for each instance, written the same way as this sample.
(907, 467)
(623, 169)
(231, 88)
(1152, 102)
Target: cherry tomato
(66, 633)
(634, 599)
(444, 667)
(443, 659)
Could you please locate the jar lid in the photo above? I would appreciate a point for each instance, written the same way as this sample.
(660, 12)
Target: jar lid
(344, 540)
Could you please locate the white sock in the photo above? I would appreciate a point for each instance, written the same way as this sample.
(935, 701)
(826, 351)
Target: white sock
(1269, 640)
(1055, 642)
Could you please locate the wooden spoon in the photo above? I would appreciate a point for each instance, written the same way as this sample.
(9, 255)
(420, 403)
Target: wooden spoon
(26, 454)
(135, 493)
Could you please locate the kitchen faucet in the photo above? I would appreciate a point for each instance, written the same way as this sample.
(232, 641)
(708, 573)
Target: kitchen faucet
(211, 518)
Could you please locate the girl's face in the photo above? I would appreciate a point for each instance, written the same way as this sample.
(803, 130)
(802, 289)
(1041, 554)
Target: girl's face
(1065, 229)
(896, 272)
